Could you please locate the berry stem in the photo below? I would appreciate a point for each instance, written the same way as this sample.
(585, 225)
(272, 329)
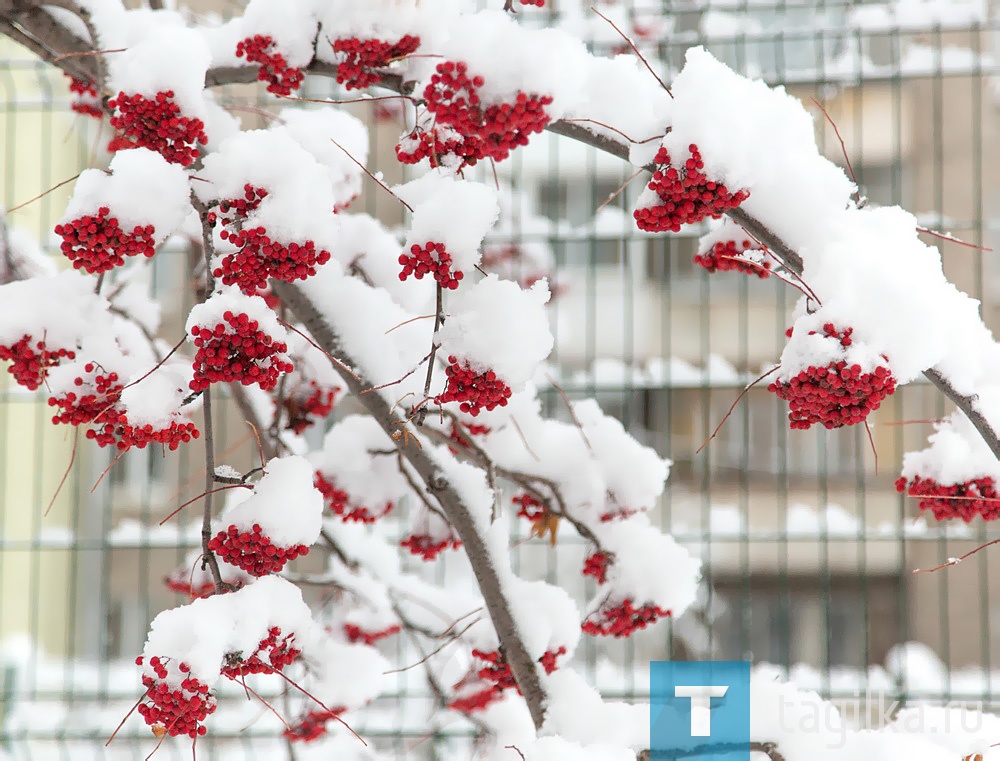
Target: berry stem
(206, 523)
(438, 322)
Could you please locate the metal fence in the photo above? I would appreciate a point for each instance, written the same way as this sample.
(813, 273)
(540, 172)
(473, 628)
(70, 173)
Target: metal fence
(808, 549)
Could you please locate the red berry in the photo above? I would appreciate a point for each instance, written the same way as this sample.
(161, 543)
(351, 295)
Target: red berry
(312, 725)
(156, 124)
(253, 551)
(340, 504)
(473, 390)
(427, 547)
(96, 243)
(621, 619)
(359, 60)
(355, 633)
(31, 360)
(282, 79)
(976, 497)
(431, 258)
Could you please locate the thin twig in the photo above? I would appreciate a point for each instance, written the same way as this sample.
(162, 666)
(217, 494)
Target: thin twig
(615, 129)
(733, 406)
(843, 147)
(951, 239)
(438, 322)
(364, 169)
(329, 356)
(621, 187)
(871, 440)
(956, 561)
(407, 322)
(434, 652)
(42, 195)
(572, 412)
(206, 523)
(632, 45)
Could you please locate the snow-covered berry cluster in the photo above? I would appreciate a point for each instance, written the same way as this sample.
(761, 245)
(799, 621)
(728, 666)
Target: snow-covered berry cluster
(596, 565)
(976, 497)
(307, 404)
(30, 360)
(159, 125)
(528, 507)
(473, 390)
(340, 503)
(498, 671)
(88, 100)
(621, 619)
(236, 350)
(358, 60)
(253, 551)
(482, 687)
(273, 653)
(97, 243)
(437, 143)
(281, 78)
(178, 710)
(430, 258)
(730, 256)
(684, 194)
(489, 131)
(312, 725)
(428, 547)
(619, 514)
(836, 394)
(355, 633)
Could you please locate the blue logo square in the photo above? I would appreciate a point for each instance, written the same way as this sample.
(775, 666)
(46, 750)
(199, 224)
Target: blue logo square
(699, 710)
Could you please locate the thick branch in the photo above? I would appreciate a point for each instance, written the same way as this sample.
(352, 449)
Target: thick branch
(457, 512)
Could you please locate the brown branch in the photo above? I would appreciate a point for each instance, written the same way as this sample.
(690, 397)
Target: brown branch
(206, 524)
(438, 322)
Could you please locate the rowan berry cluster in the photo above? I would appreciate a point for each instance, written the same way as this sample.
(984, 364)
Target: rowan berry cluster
(622, 619)
(339, 502)
(157, 123)
(686, 194)
(359, 60)
(724, 256)
(258, 257)
(307, 404)
(97, 243)
(355, 633)
(619, 514)
(453, 96)
(312, 726)
(279, 651)
(837, 394)
(469, 429)
(178, 711)
(253, 550)
(236, 350)
(498, 671)
(427, 547)
(976, 497)
(596, 565)
(436, 144)
(96, 404)
(89, 101)
(537, 3)
(474, 694)
(430, 258)
(474, 391)
(30, 360)
(281, 78)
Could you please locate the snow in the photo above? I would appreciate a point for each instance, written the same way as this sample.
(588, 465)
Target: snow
(292, 26)
(346, 459)
(285, 504)
(212, 312)
(60, 309)
(156, 398)
(495, 325)
(457, 213)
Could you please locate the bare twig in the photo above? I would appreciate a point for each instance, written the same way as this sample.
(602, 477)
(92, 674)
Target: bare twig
(732, 407)
(365, 169)
(572, 412)
(438, 322)
(634, 48)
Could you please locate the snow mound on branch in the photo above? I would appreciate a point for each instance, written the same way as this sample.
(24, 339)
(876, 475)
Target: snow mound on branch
(634, 474)
(649, 567)
(202, 633)
(60, 310)
(292, 26)
(809, 346)
(365, 243)
(457, 213)
(497, 326)
(956, 453)
(370, 480)
(346, 675)
(142, 189)
(285, 504)
(316, 129)
(157, 398)
(576, 712)
(770, 151)
(535, 61)
(154, 65)
(211, 312)
(546, 615)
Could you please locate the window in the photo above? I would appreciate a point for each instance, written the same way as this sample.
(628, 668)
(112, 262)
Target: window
(845, 621)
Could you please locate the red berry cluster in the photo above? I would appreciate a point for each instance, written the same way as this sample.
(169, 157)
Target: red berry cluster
(528, 507)
(430, 258)
(537, 3)
(619, 514)
(339, 502)
(237, 350)
(233, 210)
(724, 256)
(498, 671)
(596, 565)
(473, 390)
(96, 243)
(359, 59)
(312, 726)
(622, 619)
(479, 698)
(30, 360)
(686, 194)
(355, 633)
(259, 257)
(253, 551)
(837, 394)
(426, 547)
(434, 144)
(89, 102)
(308, 404)
(139, 436)
(281, 78)
(278, 651)
(977, 497)
(180, 581)
(177, 711)
(470, 429)
(157, 124)
(453, 97)
(96, 405)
